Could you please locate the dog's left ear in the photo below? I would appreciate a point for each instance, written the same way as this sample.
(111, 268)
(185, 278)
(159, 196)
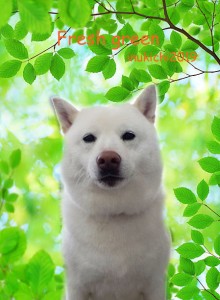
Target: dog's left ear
(147, 102)
(65, 112)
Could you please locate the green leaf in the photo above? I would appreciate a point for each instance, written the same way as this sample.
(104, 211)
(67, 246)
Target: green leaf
(97, 63)
(4, 167)
(131, 50)
(201, 221)
(7, 31)
(110, 69)
(34, 14)
(117, 94)
(189, 3)
(197, 237)
(66, 53)
(10, 68)
(15, 158)
(190, 250)
(8, 183)
(9, 239)
(212, 261)
(215, 178)
(141, 75)
(191, 209)
(6, 10)
(42, 63)
(176, 39)
(40, 272)
(181, 279)
(187, 292)
(16, 49)
(185, 195)
(29, 73)
(215, 127)
(157, 71)
(217, 245)
(74, 13)
(127, 83)
(209, 295)
(210, 164)
(12, 197)
(19, 247)
(163, 87)
(189, 46)
(187, 265)
(57, 68)
(9, 207)
(20, 31)
(199, 267)
(156, 31)
(214, 147)
(170, 270)
(203, 190)
(149, 50)
(212, 278)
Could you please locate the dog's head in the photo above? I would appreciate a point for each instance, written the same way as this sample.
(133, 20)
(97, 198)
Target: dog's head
(111, 153)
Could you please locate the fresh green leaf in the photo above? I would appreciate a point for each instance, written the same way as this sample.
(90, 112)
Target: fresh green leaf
(130, 52)
(6, 10)
(214, 147)
(212, 279)
(212, 261)
(117, 94)
(199, 267)
(210, 164)
(203, 190)
(201, 221)
(184, 195)
(187, 265)
(66, 53)
(15, 158)
(42, 63)
(10, 68)
(181, 279)
(7, 31)
(29, 73)
(141, 75)
(97, 63)
(149, 50)
(217, 245)
(20, 31)
(163, 87)
(74, 13)
(197, 237)
(216, 128)
(187, 292)
(57, 68)
(110, 69)
(127, 83)
(190, 250)
(157, 71)
(191, 209)
(176, 39)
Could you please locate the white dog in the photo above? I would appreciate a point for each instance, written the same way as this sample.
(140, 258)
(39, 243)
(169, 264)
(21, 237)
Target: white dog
(114, 241)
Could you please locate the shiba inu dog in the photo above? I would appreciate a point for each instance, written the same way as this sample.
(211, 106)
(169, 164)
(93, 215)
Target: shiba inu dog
(114, 241)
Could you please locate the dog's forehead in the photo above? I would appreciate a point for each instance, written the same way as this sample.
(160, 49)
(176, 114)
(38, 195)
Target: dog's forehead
(113, 115)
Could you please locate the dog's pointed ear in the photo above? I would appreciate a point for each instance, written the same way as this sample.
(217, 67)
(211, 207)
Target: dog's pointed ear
(147, 102)
(65, 112)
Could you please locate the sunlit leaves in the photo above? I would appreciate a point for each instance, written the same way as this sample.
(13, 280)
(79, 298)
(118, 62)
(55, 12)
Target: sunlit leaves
(187, 265)
(10, 68)
(6, 9)
(191, 209)
(29, 73)
(141, 75)
(66, 53)
(97, 63)
(57, 67)
(40, 272)
(34, 14)
(201, 221)
(216, 128)
(190, 250)
(181, 279)
(217, 245)
(210, 164)
(157, 71)
(203, 190)
(197, 237)
(16, 49)
(74, 13)
(176, 39)
(20, 30)
(213, 147)
(42, 63)
(109, 69)
(212, 278)
(184, 195)
(117, 93)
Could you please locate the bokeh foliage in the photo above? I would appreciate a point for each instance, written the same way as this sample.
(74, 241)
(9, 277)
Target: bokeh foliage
(34, 66)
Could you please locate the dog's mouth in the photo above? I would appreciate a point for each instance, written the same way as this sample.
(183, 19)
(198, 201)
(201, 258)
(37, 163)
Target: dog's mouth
(110, 180)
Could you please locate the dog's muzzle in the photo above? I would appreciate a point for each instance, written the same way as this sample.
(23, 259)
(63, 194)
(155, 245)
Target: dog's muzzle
(108, 163)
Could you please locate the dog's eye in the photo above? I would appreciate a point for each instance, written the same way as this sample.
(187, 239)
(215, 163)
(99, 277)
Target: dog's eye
(128, 136)
(89, 138)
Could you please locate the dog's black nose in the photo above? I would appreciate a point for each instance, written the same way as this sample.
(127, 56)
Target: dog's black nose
(108, 161)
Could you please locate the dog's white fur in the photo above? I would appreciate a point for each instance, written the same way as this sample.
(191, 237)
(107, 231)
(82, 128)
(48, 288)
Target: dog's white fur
(114, 241)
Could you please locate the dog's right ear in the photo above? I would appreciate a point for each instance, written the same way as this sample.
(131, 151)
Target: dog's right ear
(65, 112)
